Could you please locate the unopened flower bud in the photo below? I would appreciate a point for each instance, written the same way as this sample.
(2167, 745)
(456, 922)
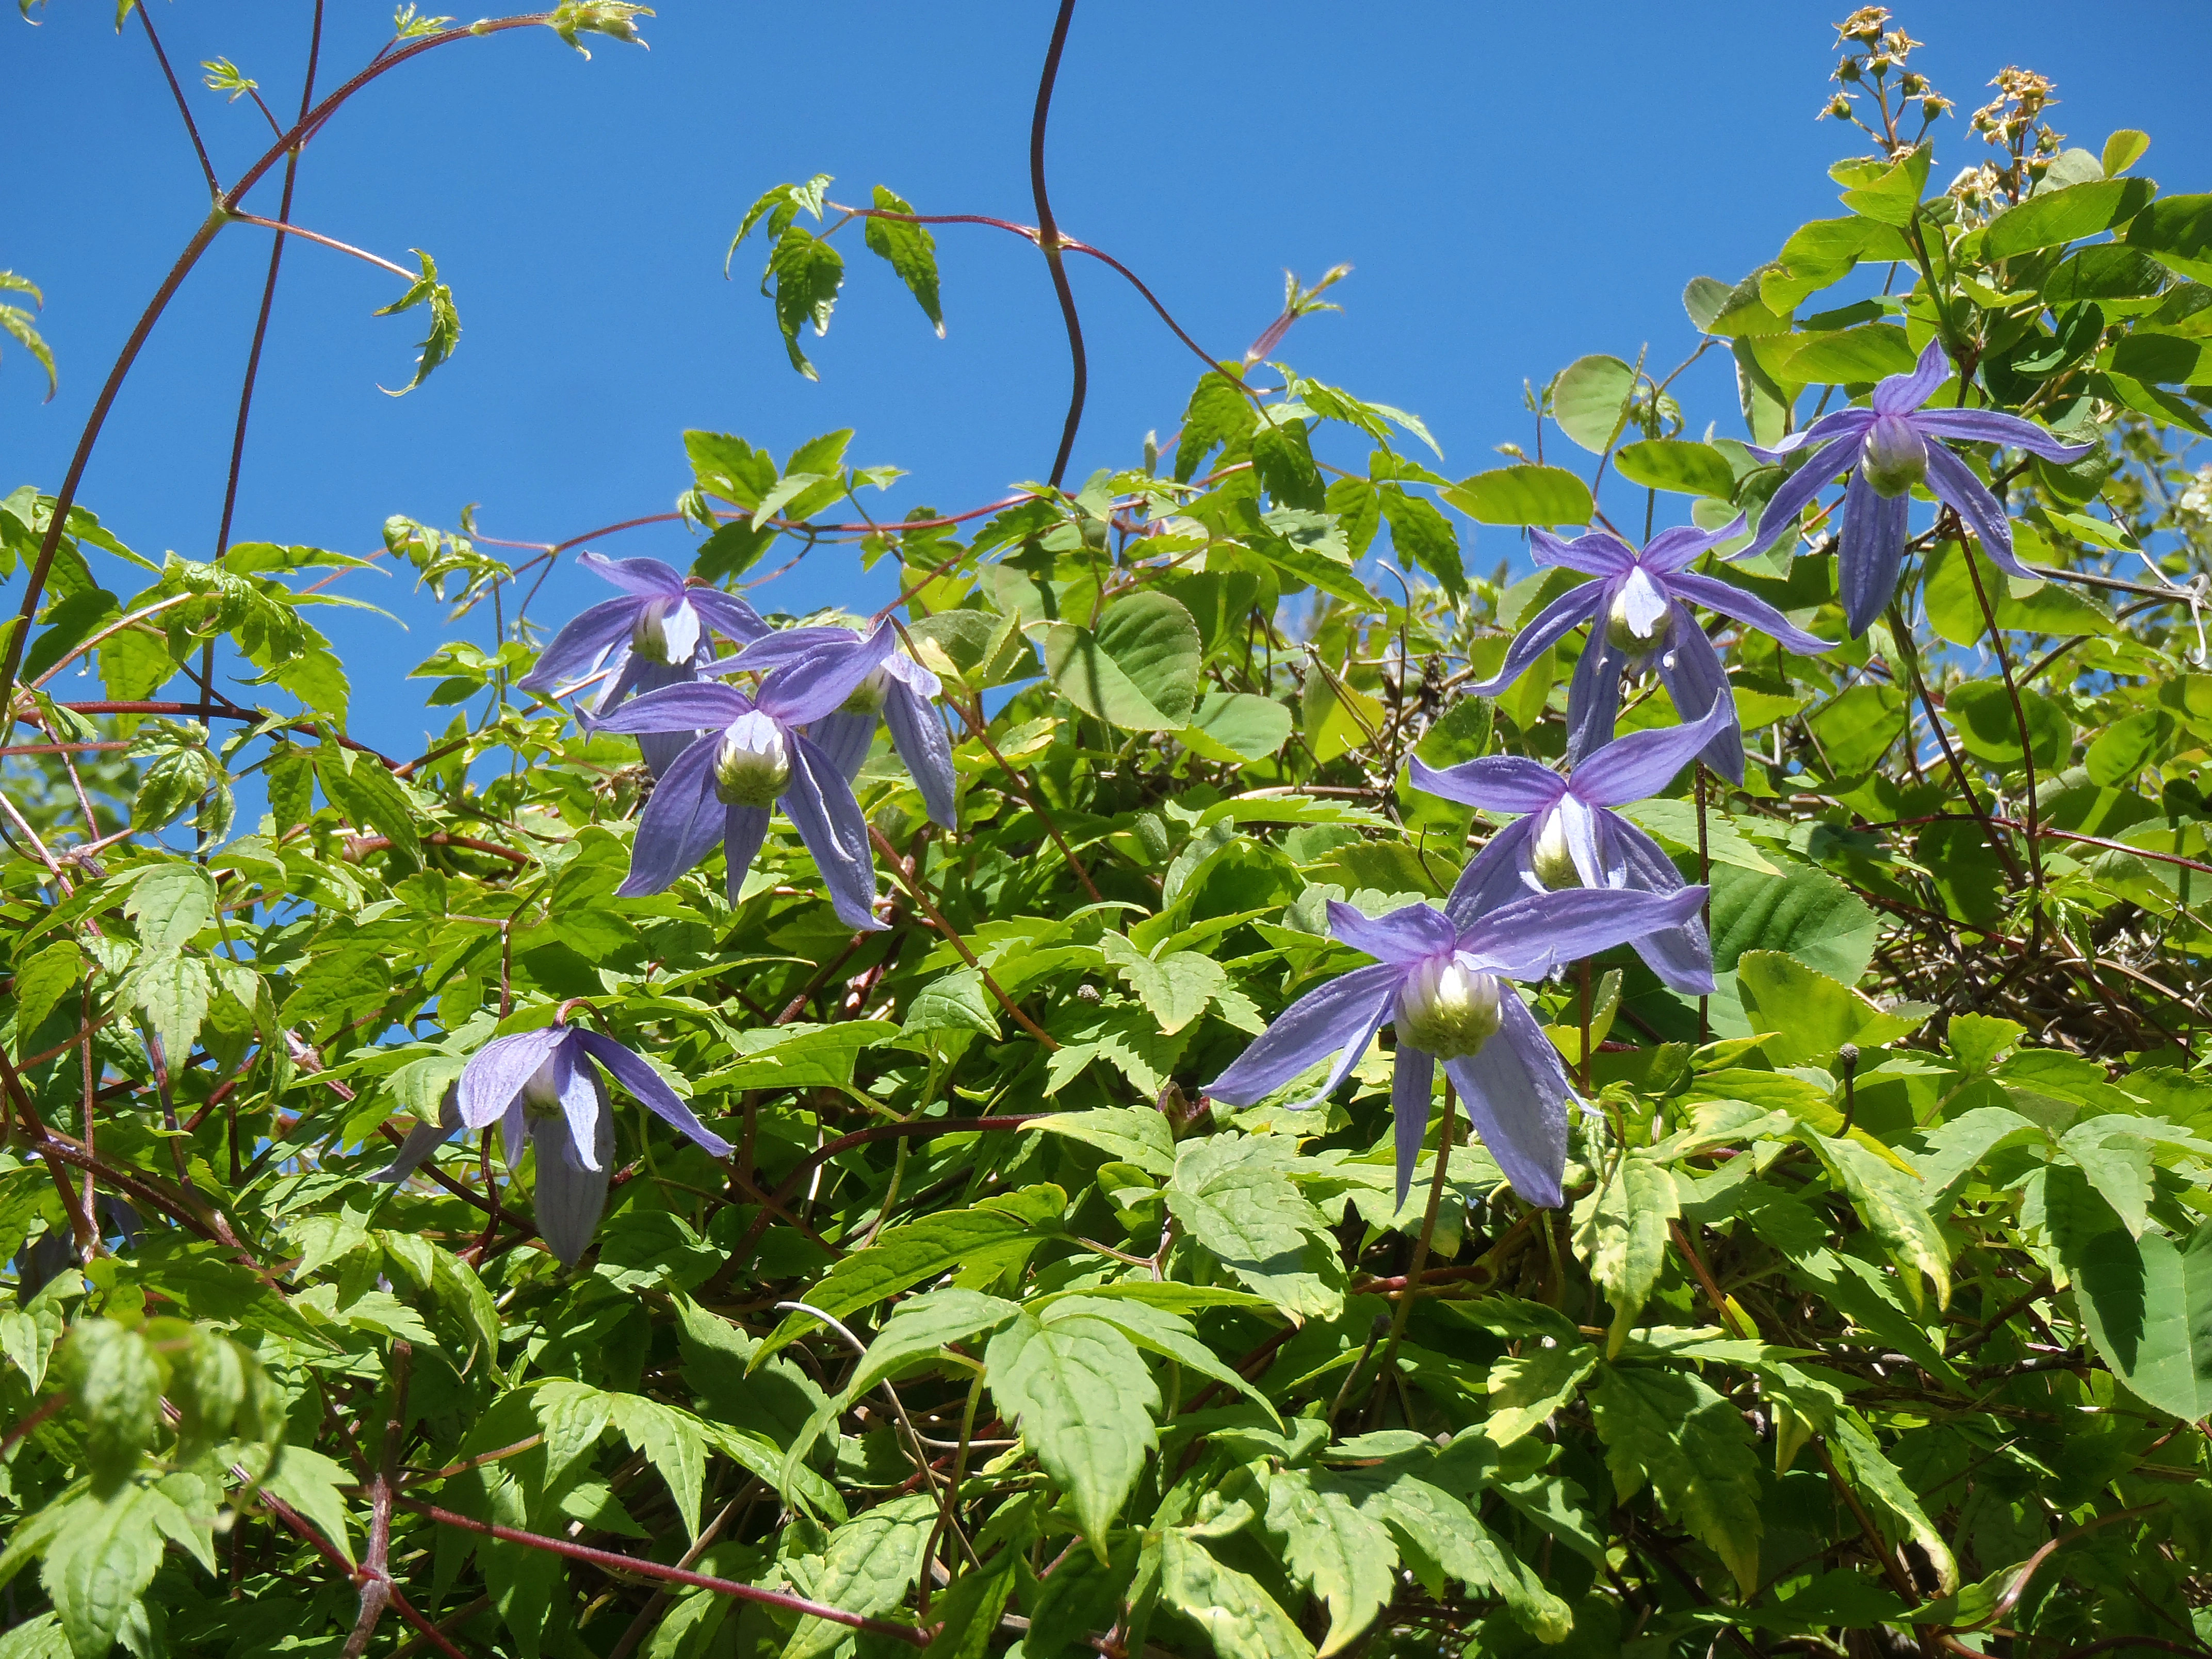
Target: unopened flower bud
(868, 696)
(1550, 859)
(667, 631)
(1894, 457)
(1448, 1009)
(753, 765)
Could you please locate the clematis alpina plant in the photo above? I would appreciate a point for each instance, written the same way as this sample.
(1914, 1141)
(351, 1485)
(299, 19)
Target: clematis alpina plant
(1570, 835)
(1637, 605)
(658, 634)
(754, 755)
(1441, 984)
(1886, 448)
(546, 1088)
(899, 692)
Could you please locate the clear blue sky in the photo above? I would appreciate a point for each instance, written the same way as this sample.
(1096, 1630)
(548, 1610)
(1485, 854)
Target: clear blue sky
(1516, 186)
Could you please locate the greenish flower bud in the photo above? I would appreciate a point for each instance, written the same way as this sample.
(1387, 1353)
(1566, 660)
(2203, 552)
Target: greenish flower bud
(1639, 617)
(1448, 1009)
(1549, 858)
(1894, 456)
(753, 765)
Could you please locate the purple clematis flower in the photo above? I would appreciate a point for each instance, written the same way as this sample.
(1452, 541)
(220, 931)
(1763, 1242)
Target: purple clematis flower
(754, 755)
(900, 691)
(1440, 983)
(1639, 610)
(1571, 836)
(656, 635)
(545, 1087)
(1887, 448)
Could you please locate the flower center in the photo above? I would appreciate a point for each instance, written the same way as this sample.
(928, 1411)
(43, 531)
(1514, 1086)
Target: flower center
(1638, 618)
(1448, 1009)
(667, 631)
(868, 696)
(541, 1096)
(753, 765)
(1550, 859)
(1894, 457)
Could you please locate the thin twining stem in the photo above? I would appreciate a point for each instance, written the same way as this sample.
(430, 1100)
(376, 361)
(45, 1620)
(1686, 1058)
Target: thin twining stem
(1049, 241)
(375, 259)
(191, 127)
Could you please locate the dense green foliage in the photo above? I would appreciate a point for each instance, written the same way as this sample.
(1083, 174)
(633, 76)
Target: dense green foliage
(1881, 1314)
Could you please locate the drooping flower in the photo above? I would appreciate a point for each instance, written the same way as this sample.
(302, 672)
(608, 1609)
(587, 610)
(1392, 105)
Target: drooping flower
(1638, 606)
(1571, 836)
(899, 692)
(754, 755)
(1439, 982)
(545, 1088)
(1886, 448)
(656, 635)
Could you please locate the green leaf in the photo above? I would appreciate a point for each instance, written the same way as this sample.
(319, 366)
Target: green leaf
(100, 1563)
(1815, 1015)
(370, 798)
(1237, 726)
(1282, 455)
(1852, 356)
(911, 251)
(1590, 399)
(901, 1257)
(1981, 712)
(1218, 413)
(1128, 1135)
(957, 1001)
(1235, 1198)
(178, 776)
(175, 992)
(1621, 1229)
(49, 976)
(1083, 1402)
(1692, 469)
(1892, 196)
(805, 274)
(924, 1326)
(1891, 1204)
(1175, 989)
(445, 320)
(309, 1482)
(1670, 1428)
(2177, 231)
(2052, 216)
(672, 1443)
(115, 1382)
(1524, 1392)
(970, 1609)
(1877, 1478)
(1138, 672)
(2147, 1303)
(1338, 1554)
(871, 1562)
(2122, 150)
(1422, 534)
(1856, 729)
(1238, 1617)
(1955, 611)
(1523, 494)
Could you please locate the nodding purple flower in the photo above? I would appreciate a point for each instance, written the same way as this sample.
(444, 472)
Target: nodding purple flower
(1639, 609)
(1439, 982)
(899, 692)
(545, 1088)
(1570, 837)
(1887, 448)
(754, 753)
(655, 635)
